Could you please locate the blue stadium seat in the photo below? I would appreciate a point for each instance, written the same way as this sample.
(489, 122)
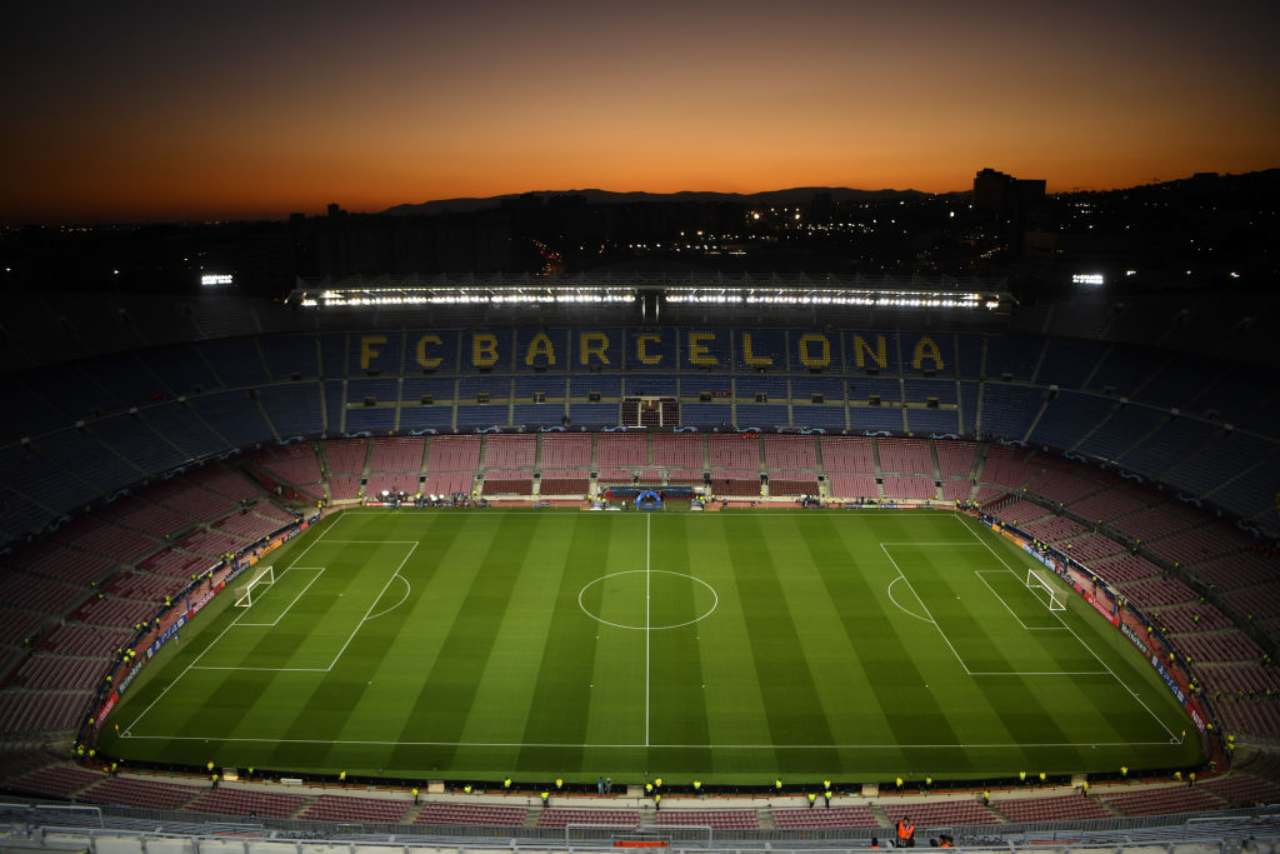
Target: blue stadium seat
(181, 369)
(294, 410)
(1068, 418)
(656, 386)
(1009, 410)
(969, 407)
(234, 416)
(969, 361)
(470, 417)
(178, 423)
(830, 418)
(130, 437)
(1068, 363)
(887, 389)
(1126, 370)
(382, 390)
(706, 415)
(371, 419)
(594, 414)
(765, 417)
(747, 386)
(287, 355)
(919, 391)
(1016, 355)
(1124, 429)
(926, 422)
(605, 385)
(438, 388)
(470, 387)
(876, 418)
(538, 414)
(551, 385)
(1174, 440)
(419, 418)
(804, 387)
(236, 361)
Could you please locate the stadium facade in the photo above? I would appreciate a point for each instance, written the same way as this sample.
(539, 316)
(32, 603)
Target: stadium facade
(137, 482)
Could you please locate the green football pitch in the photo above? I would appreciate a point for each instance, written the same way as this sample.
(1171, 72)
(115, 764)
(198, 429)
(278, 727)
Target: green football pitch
(731, 646)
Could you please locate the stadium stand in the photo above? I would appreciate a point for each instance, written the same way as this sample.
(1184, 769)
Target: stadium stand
(836, 817)
(1062, 808)
(558, 817)
(352, 809)
(450, 812)
(1181, 799)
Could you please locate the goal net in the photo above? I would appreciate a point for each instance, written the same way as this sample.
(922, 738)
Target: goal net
(254, 588)
(1044, 591)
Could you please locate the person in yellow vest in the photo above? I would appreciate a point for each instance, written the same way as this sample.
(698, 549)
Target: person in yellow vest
(827, 794)
(657, 802)
(777, 785)
(546, 798)
(657, 784)
(466, 790)
(414, 792)
(697, 787)
(813, 799)
(1043, 776)
(506, 784)
(342, 777)
(986, 798)
(559, 783)
(1022, 776)
(906, 832)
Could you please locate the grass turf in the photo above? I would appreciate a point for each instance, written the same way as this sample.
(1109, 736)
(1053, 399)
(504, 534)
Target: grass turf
(730, 646)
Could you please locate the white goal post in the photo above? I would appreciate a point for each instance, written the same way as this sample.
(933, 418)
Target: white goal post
(265, 578)
(1036, 583)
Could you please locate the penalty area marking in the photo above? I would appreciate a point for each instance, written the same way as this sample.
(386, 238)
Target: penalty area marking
(408, 588)
(902, 607)
(715, 603)
(318, 570)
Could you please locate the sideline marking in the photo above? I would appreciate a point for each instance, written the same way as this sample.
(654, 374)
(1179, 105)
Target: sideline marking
(996, 593)
(523, 744)
(214, 642)
(319, 570)
(1173, 739)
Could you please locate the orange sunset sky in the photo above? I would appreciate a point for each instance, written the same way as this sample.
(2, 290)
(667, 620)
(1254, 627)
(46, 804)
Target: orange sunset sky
(136, 111)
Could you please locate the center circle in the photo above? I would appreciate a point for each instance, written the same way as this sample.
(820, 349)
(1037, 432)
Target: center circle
(644, 600)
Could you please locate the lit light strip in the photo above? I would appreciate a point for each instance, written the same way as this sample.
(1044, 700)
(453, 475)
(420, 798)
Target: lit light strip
(435, 296)
(890, 299)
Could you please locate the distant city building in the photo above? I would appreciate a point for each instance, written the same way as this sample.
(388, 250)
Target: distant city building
(1005, 195)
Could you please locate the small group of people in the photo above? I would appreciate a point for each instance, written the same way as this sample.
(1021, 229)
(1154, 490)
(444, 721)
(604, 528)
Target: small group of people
(905, 831)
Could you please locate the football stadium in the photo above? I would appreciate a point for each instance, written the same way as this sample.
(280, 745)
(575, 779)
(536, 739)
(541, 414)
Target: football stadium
(633, 563)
